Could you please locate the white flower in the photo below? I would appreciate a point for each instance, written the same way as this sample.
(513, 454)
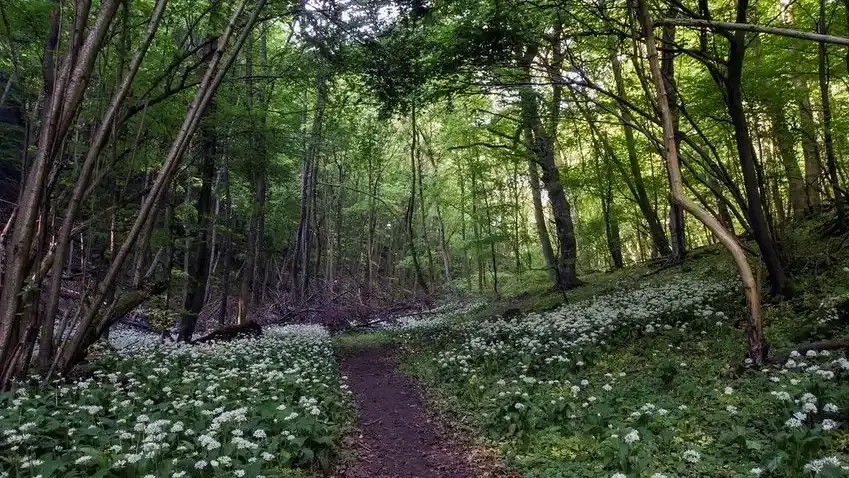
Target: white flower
(829, 424)
(619, 475)
(732, 409)
(632, 436)
(756, 471)
(728, 390)
(692, 456)
(816, 466)
(830, 408)
(200, 465)
(793, 422)
(782, 396)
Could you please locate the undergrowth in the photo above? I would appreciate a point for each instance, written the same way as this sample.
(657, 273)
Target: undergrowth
(644, 375)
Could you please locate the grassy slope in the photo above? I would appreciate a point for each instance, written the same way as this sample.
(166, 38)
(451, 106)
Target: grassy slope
(670, 370)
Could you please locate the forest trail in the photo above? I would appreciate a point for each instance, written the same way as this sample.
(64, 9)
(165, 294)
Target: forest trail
(398, 435)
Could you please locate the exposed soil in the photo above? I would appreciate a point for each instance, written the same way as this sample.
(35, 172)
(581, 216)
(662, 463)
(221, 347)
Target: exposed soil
(398, 435)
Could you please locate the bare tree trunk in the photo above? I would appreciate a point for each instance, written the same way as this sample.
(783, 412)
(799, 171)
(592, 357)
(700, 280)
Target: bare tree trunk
(423, 209)
(411, 205)
(198, 271)
(63, 97)
(467, 272)
(87, 330)
(667, 67)
(443, 246)
(543, 149)
(566, 273)
(810, 147)
(492, 250)
(256, 227)
(539, 213)
(476, 229)
(301, 259)
(786, 148)
(608, 208)
(516, 220)
(227, 245)
(757, 346)
(828, 141)
(661, 243)
(779, 283)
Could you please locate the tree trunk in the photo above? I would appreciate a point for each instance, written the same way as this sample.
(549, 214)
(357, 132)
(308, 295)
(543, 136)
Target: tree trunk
(779, 283)
(90, 324)
(476, 229)
(667, 68)
(423, 209)
(757, 345)
(611, 227)
(411, 206)
(301, 260)
(467, 271)
(227, 245)
(661, 243)
(198, 271)
(810, 147)
(253, 250)
(443, 244)
(828, 140)
(539, 213)
(492, 249)
(786, 148)
(566, 274)
(62, 99)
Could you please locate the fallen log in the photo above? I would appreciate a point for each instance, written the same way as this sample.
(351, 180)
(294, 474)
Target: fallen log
(233, 332)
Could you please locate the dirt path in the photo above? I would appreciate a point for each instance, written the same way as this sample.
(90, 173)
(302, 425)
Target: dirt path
(399, 437)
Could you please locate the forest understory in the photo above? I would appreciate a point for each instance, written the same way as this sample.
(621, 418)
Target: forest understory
(424, 238)
(639, 372)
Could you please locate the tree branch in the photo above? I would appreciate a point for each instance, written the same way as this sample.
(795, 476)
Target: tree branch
(748, 27)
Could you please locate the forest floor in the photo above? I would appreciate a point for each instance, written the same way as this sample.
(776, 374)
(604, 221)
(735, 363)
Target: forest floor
(399, 436)
(639, 373)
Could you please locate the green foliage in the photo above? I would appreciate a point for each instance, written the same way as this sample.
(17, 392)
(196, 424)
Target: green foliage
(655, 391)
(249, 407)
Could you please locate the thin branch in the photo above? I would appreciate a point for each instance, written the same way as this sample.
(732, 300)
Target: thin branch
(748, 27)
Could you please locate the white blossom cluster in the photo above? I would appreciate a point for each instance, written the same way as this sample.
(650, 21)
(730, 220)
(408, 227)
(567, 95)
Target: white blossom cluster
(434, 318)
(236, 408)
(557, 337)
